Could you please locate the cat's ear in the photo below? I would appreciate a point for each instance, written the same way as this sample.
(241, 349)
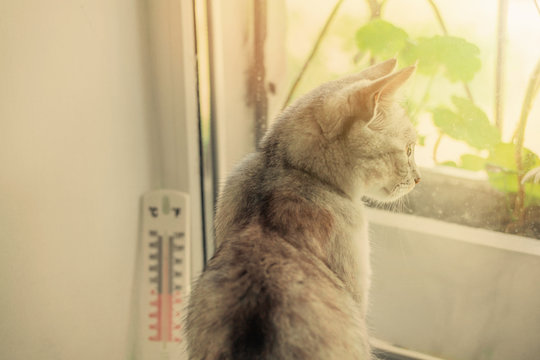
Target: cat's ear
(363, 99)
(376, 71)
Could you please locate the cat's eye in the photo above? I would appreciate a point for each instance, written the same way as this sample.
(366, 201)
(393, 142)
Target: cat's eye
(409, 150)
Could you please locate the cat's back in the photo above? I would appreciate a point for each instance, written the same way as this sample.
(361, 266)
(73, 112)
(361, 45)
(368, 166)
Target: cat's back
(262, 298)
(268, 292)
(240, 196)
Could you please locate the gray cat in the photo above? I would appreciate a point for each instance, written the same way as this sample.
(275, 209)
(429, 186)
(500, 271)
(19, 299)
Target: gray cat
(291, 274)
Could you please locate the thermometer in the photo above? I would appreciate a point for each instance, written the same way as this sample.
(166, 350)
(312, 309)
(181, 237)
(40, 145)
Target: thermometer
(163, 280)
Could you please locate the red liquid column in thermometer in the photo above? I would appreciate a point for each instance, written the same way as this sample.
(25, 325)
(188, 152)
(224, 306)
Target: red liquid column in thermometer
(166, 255)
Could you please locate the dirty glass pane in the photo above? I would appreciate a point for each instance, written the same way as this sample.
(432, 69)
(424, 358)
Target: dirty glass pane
(474, 99)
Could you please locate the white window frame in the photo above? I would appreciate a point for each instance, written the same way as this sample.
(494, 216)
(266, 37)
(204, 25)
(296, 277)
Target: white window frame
(172, 79)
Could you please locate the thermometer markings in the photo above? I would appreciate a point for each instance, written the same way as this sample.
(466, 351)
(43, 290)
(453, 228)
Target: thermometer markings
(175, 288)
(156, 244)
(168, 293)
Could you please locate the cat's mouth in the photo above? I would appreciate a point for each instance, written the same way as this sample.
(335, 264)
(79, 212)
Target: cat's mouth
(401, 189)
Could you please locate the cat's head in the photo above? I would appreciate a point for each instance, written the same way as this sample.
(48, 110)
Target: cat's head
(352, 134)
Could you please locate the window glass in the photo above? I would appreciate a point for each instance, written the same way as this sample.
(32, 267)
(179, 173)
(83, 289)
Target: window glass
(474, 98)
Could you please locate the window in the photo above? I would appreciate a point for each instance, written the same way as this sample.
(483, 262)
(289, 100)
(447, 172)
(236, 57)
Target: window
(475, 105)
(473, 99)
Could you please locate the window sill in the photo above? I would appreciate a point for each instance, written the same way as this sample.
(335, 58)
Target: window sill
(456, 232)
(462, 198)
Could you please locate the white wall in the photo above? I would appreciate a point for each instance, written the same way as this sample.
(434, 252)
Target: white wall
(75, 155)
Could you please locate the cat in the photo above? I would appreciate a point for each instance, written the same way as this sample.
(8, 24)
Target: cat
(291, 273)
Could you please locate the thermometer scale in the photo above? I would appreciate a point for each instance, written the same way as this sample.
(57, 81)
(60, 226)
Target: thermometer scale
(163, 275)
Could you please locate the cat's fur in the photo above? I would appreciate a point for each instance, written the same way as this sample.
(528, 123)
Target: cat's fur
(291, 275)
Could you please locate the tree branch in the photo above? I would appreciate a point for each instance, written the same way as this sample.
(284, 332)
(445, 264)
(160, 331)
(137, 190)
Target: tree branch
(532, 91)
(312, 53)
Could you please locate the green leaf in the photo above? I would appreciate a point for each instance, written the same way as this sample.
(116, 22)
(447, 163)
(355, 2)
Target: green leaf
(381, 38)
(467, 123)
(458, 57)
(472, 162)
(503, 156)
(409, 54)
(448, 121)
(481, 133)
(449, 163)
(502, 168)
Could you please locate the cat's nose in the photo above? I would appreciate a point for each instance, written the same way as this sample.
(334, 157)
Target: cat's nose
(416, 180)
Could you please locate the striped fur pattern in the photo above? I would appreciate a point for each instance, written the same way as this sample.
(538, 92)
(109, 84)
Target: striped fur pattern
(291, 273)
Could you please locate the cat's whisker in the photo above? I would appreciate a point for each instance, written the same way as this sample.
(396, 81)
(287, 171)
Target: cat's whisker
(399, 205)
(406, 204)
